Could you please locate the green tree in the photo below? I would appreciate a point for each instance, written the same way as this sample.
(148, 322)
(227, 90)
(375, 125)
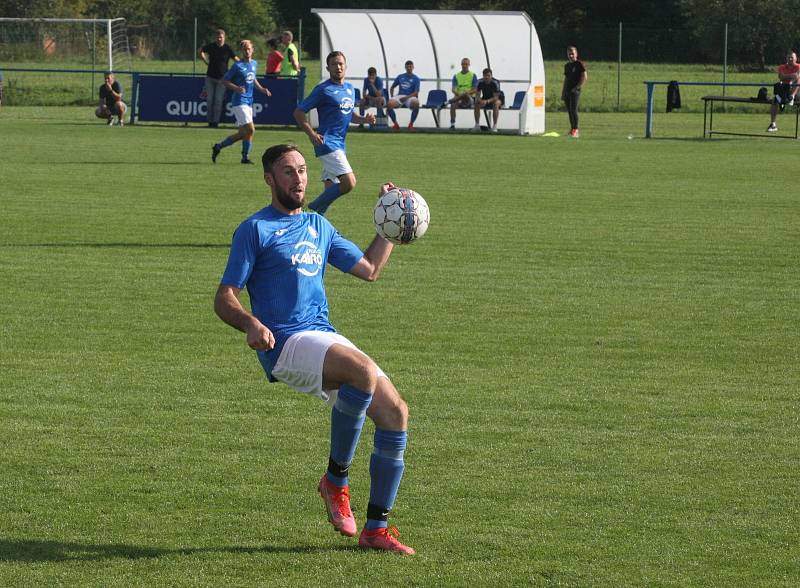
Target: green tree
(759, 31)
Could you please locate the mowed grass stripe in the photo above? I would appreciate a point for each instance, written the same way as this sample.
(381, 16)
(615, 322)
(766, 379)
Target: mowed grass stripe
(597, 339)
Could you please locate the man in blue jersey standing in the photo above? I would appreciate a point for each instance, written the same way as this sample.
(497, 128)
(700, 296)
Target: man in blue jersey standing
(334, 101)
(240, 79)
(280, 254)
(407, 95)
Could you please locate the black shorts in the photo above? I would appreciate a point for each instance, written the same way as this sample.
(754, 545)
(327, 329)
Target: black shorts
(499, 95)
(782, 94)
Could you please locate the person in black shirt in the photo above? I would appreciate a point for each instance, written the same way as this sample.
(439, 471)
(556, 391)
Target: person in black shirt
(574, 79)
(489, 95)
(111, 103)
(216, 55)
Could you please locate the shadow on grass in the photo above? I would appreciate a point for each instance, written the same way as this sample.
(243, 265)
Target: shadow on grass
(44, 551)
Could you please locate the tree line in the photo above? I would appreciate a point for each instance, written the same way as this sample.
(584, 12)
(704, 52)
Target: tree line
(759, 31)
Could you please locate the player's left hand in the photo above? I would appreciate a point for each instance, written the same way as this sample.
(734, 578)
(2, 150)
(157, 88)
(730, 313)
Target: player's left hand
(370, 118)
(386, 187)
(267, 92)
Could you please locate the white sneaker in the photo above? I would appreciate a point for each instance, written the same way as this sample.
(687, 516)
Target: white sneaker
(110, 121)
(791, 101)
(772, 128)
(476, 129)
(494, 129)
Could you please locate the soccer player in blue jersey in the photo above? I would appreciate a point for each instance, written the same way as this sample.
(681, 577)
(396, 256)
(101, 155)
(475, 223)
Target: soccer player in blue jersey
(280, 254)
(407, 95)
(240, 79)
(372, 93)
(334, 101)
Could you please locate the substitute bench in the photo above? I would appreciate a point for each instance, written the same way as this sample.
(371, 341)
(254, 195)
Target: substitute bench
(708, 116)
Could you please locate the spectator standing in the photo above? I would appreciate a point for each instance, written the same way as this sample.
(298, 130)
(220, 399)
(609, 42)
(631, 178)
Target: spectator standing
(240, 80)
(274, 58)
(111, 103)
(216, 56)
(290, 66)
(334, 101)
(489, 95)
(407, 95)
(786, 88)
(575, 77)
(465, 85)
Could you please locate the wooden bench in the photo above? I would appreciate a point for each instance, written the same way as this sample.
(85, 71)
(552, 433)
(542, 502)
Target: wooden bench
(708, 116)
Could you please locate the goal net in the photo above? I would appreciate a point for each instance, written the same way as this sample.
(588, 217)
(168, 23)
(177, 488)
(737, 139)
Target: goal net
(101, 43)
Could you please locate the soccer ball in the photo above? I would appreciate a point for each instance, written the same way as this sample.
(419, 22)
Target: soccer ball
(401, 215)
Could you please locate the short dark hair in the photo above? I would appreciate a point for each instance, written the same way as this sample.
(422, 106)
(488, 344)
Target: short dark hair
(274, 153)
(333, 54)
(272, 43)
(487, 70)
(108, 73)
(371, 71)
(409, 62)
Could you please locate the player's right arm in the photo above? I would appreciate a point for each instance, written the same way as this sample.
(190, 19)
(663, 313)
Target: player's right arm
(311, 101)
(203, 55)
(302, 122)
(230, 310)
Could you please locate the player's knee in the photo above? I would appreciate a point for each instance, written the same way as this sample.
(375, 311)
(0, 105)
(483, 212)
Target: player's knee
(347, 183)
(395, 415)
(364, 373)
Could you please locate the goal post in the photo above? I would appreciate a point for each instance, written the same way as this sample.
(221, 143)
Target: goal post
(96, 41)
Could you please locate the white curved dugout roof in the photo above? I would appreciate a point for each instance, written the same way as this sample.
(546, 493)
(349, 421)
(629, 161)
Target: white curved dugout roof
(436, 41)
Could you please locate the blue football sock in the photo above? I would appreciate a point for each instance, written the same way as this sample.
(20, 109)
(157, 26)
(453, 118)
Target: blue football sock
(246, 145)
(414, 115)
(347, 419)
(380, 112)
(324, 200)
(392, 115)
(386, 470)
(226, 142)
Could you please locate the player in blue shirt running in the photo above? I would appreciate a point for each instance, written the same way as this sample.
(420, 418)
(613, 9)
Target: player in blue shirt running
(407, 95)
(334, 100)
(240, 79)
(280, 254)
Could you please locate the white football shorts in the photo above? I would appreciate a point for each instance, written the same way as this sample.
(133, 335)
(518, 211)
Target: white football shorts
(405, 100)
(243, 114)
(300, 363)
(334, 164)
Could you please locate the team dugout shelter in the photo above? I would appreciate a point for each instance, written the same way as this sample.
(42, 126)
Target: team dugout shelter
(436, 41)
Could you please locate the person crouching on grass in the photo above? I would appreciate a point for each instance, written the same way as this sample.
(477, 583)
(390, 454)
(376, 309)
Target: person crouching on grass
(240, 79)
(111, 103)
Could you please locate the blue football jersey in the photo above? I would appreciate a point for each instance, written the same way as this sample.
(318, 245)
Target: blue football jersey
(407, 83)
(366, 89)
(281, 259)
(334, 104)
(243, 74)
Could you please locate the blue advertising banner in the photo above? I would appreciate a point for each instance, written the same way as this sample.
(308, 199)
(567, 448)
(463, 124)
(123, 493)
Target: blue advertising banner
(182, 99)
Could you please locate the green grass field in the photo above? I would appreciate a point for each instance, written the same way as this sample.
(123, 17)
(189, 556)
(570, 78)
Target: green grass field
(598, 341)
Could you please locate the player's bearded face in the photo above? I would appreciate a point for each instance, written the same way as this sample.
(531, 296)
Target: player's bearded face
(289, 180)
